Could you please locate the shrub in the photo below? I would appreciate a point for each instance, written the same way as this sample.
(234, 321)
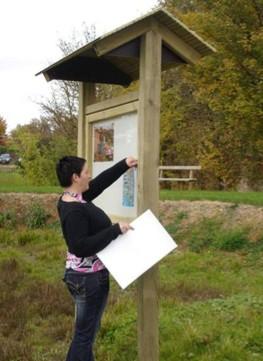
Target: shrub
(8, 219)
(36, 216)
(210, 234)
(231, 240)
(203, 234)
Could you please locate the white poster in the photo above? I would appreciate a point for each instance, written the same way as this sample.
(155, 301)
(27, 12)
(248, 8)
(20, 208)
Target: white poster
(133, 253)
(113, 140)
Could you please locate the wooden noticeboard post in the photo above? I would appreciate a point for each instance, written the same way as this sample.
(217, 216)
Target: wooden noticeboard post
(148, 186)
(138, 50)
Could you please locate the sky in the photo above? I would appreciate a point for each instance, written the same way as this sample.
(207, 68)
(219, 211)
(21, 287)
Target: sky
(29, 34)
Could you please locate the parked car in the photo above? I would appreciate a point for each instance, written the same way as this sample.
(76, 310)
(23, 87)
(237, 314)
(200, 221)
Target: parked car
(5, 158)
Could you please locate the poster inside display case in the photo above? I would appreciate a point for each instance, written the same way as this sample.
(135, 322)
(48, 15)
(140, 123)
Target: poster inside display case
(113, 140)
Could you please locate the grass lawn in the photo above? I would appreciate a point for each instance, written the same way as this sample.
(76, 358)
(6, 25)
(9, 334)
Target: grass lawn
(13, 182)
(255, 198)
(211, 299)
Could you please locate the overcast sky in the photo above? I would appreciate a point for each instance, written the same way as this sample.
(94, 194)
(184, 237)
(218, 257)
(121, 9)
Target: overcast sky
(29, 33)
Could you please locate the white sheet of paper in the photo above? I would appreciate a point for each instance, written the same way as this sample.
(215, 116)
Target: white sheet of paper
(133, 253)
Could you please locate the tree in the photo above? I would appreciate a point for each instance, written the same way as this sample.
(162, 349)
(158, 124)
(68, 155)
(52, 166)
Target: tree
(229, 84)
(3, 135)
(60, 109)
(43, 141)
(39, 148)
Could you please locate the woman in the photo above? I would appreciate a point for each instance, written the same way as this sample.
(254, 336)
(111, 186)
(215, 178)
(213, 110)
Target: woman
(86, 230)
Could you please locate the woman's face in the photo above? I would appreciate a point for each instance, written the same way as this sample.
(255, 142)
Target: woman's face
(83, 179)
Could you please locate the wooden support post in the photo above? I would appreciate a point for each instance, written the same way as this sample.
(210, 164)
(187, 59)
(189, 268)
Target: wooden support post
(191, 176)
(148, 187)
(87, 96)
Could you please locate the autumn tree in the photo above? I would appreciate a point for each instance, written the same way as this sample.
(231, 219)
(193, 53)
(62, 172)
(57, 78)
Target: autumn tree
(226, 88)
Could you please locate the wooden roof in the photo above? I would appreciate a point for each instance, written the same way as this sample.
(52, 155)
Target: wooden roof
(114, 57)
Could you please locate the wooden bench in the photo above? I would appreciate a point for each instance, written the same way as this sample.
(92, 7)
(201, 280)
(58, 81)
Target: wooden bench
(190, 168)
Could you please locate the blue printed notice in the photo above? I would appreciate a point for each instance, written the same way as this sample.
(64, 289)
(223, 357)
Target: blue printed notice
(128, 188)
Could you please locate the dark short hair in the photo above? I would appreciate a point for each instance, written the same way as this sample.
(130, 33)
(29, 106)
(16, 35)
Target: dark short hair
(66, 167)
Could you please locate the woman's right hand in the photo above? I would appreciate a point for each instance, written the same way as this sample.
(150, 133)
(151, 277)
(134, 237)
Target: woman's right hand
(125, 227)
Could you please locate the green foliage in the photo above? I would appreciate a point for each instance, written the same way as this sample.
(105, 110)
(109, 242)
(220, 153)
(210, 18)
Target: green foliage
(40, 151)
(36, 216)
(3, 149)
(231, 240)
(212, 111)
(34, 164)
(8, 219)
(3, 136)
(210, 234)
(174, 227)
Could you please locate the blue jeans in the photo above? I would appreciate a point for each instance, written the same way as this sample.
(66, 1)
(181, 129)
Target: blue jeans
(90, 292)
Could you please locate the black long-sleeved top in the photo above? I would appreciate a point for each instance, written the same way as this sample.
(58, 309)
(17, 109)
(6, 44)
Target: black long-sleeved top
(86, 228)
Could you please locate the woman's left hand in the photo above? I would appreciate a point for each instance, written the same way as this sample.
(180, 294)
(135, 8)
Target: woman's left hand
(131, 162)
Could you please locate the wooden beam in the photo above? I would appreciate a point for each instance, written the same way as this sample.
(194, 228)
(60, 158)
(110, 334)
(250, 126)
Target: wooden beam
(178, 179)
(148, 186)
(86, 96)
(112, 112)
(127, 50)
(180, 47)
(47, 77)
(81, 121)
(111, 103)
(121, 37)
(180, 167)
